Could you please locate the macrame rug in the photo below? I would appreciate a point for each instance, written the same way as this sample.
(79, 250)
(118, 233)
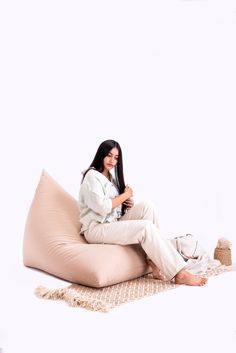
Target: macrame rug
(106, 298)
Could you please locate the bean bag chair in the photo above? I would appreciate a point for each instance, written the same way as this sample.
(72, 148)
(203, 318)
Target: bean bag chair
(53, 243)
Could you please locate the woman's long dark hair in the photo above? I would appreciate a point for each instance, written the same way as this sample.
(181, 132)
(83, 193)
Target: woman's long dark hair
(97, 164)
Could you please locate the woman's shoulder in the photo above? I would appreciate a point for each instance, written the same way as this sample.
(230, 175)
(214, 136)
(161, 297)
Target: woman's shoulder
(92, 174)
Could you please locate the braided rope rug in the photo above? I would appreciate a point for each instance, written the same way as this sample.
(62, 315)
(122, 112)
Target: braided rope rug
(106, 298)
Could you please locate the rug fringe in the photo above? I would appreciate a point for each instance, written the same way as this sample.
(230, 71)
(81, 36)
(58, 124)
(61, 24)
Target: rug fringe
(73, 299)
(43, 292)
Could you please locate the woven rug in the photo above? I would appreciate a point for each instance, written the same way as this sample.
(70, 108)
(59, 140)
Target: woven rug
(106, 298)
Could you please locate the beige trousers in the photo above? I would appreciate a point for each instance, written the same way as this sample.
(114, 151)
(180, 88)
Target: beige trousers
(139, 226)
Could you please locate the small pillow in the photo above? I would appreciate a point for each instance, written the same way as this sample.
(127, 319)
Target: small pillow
(52, 243)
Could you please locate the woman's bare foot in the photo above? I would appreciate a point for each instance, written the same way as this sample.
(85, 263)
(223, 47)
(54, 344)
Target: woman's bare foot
(184, 277)
(156, 272)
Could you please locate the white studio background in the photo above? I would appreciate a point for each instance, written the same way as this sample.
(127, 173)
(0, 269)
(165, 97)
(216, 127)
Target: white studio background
(158, 76)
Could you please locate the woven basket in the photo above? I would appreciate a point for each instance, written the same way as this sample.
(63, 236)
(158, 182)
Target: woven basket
(223, 255)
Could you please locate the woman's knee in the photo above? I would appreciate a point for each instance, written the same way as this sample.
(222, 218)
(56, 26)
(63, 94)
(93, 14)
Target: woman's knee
(147, 206)
(141, 204)
(149, 229)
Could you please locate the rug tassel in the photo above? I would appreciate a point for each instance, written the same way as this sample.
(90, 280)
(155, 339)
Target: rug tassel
(43, 292)
(72, 299)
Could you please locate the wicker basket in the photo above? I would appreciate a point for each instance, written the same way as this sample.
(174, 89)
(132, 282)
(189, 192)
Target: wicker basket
(223, 255)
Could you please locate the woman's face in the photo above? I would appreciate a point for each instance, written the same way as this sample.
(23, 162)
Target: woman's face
(110, 161)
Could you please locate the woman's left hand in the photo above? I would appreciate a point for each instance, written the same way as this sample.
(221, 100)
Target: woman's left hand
(129, 203)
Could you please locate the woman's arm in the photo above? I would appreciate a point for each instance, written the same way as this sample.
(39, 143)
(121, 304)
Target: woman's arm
(129, 203)
(118, 200)
(92, 194)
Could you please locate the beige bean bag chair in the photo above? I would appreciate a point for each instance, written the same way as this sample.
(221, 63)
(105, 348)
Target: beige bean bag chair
(52, 243)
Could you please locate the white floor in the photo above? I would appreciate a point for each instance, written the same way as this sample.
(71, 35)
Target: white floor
(186, 318)
(159, 77)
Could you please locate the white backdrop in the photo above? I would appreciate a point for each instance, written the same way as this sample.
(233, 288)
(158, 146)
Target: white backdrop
(158, 76)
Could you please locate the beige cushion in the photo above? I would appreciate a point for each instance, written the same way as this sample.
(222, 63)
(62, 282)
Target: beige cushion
(52, 243)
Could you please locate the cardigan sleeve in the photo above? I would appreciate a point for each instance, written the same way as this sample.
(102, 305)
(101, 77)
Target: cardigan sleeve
(94, 195)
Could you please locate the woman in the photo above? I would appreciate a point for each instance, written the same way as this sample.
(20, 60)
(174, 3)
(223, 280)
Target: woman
(108, 215)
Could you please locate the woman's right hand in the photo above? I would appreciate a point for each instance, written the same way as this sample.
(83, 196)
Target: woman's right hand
(128, 191)
(118, 200)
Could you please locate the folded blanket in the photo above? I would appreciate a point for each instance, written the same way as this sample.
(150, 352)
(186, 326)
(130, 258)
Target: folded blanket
(197, 259)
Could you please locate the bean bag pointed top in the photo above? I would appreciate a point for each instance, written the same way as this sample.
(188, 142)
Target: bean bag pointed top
(53, 243)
